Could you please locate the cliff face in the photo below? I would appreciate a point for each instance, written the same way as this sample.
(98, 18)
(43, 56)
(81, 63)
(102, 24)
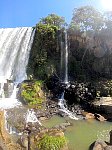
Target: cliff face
(90, 55)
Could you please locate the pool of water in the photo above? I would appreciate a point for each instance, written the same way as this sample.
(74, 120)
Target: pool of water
(82, 133)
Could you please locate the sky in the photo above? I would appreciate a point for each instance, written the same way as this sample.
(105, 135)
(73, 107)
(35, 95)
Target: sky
(27, 13)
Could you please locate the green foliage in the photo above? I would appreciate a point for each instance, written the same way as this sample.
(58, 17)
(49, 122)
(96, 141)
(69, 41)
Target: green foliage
(87, 23)
(45, 51)
(54, 20)
(88, 18)
(51, 143)
(30, 93)
(108, 19)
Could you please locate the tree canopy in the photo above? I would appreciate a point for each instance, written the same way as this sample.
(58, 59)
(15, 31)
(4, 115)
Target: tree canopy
(87, 18)
(54, 20)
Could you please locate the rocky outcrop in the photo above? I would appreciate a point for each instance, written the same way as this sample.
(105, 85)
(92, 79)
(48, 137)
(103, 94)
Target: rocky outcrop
(51, 132)
(101, 145)
(103, 106)
(89, 116)
(100, 117)
(63, 126)
(6, 141)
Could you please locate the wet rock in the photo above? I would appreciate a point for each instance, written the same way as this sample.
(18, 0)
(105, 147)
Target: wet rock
(60, 134)
(108, 148)
(43, 118)
(103, 106)
(17, 117)
(6, 141)
(62, 114)
(100, 117)
(24, 140)
(101, 145)
(89, 116)
(78, 92)
(63, 126)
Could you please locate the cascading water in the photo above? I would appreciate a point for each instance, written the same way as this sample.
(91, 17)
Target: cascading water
(64, 64)
(66, 58)
(31, 117)
(64, 109)
(15, 45)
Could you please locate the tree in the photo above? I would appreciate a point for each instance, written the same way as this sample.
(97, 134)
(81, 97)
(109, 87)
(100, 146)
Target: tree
(88, 18)
(54, 20)
(45, 51)
(47, 32)
(108, 22)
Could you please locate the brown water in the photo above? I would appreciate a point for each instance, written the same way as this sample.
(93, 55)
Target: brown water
(83, 132)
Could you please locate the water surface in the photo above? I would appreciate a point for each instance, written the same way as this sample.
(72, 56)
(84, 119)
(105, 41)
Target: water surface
(82, 133)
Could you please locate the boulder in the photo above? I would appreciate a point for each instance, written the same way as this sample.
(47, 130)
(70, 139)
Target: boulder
(89, 116)
(99, 145)
(108, 148)
(100, 117)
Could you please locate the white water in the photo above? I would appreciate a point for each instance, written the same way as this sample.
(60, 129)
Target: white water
(11, 102)
(31, 117)
(7, 103)
(15, 45)
(64, 109)
(66, 58)
(64, 64)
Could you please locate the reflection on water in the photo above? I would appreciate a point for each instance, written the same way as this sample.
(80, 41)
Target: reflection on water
(82, 133)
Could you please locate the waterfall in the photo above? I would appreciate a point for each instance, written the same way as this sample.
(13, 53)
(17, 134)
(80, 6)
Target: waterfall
(15, 45)
(13, 95)
(64, 69)
(64, 109)
(66, 57)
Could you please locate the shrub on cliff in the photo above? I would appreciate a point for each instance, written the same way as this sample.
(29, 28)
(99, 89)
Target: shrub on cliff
(32, 93)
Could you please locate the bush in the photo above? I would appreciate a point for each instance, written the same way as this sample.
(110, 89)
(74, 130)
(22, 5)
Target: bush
(51, 143)
(31, 93)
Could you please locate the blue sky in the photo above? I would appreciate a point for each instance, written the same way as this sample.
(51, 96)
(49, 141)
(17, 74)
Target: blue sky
(21, 13)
